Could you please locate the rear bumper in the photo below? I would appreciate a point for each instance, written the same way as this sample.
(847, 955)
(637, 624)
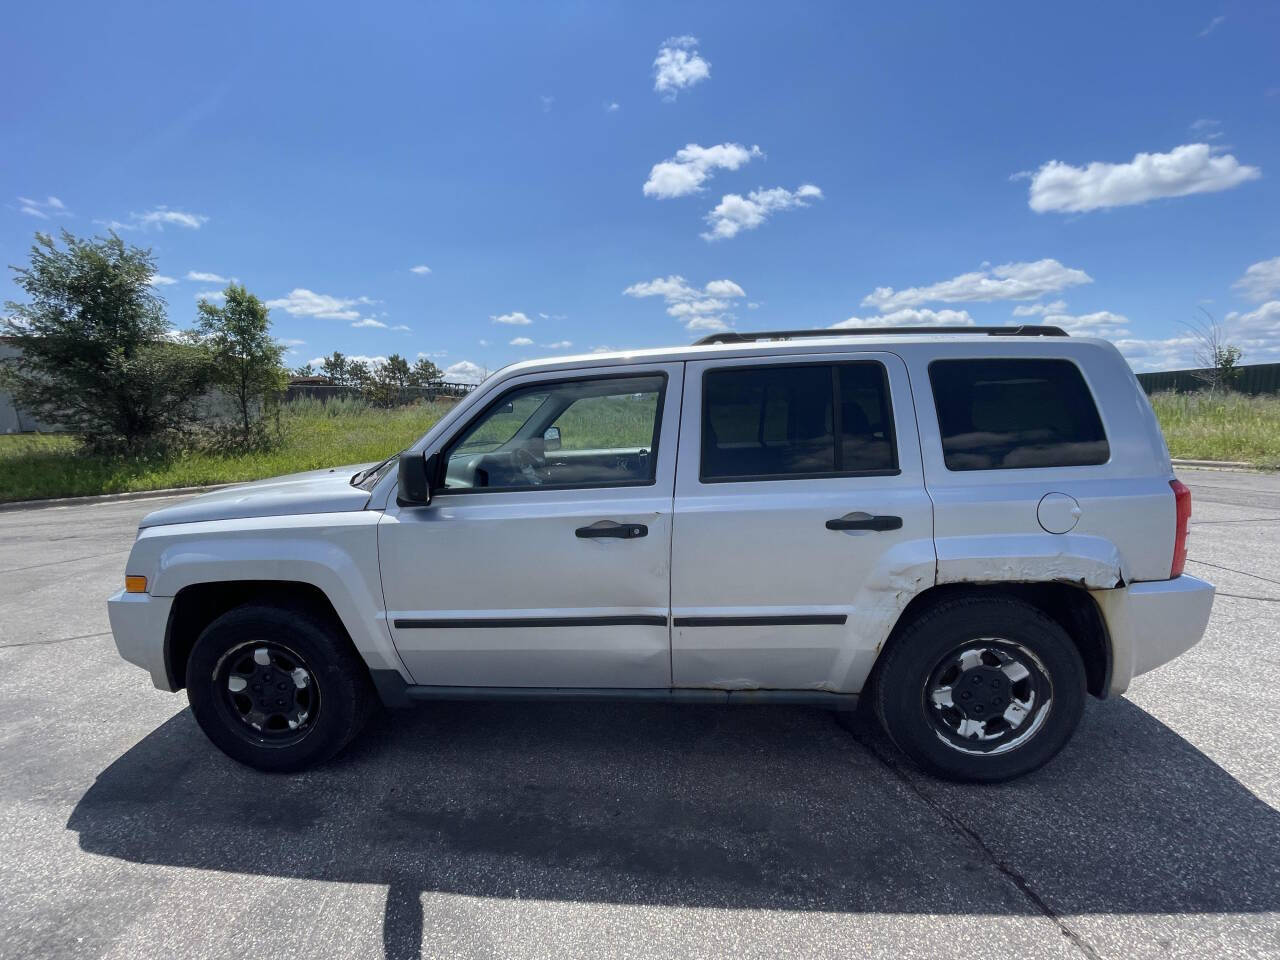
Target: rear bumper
(138, 623)
(1151, 623)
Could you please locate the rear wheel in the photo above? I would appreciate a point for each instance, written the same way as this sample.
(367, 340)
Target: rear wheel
(276, 688)
(980, 689)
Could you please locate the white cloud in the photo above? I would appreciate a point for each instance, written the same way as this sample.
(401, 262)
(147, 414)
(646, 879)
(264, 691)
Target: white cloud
(1102, 323)
(421, 269)
(160, 280)
(1257, 332)
(484, 343)
(369, 322)
(203, 277)
(612, 107)
(699, 309)
(43, 209)
(217, 295)
(724, 288)
(1204, 127)
(514, 319)
(692, 166)
(161, 216)
(464, 371)
(678, 66)
(559, 345)
(520, 342)
(1261, 280)
(706, 325)
(302, 302)
(1037, 309)
(910, 318)
(403, 327)
(546, 103)
(735, 213)
(1009, 281)
(1188, 169)
(294, 343)
(1213, 25)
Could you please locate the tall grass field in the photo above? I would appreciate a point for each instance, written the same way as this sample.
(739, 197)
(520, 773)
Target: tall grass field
(1221, 426)
(1197, 426)
(313, 435)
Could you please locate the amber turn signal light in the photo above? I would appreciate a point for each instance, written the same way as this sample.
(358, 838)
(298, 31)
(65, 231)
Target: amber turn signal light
(135, 584)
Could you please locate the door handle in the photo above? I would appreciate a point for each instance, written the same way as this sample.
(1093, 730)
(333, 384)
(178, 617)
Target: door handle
(865, 521)
(608, 528)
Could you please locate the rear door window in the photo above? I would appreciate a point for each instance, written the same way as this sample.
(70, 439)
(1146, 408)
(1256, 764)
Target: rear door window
(789, 422)
(1016, 413)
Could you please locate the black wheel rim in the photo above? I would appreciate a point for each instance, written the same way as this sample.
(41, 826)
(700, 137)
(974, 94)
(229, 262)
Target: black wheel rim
(267, 693)
(988, 696)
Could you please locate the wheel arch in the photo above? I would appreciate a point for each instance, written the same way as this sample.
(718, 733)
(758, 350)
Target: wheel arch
(196, 606)
(1069, 605)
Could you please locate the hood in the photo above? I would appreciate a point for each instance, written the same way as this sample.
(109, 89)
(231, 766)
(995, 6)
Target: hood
(316, 491)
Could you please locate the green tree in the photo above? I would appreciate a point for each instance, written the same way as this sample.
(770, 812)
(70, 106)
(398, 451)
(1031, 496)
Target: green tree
(306, 370)
(97, 355)
(358, 374)
(246, 360)
(424, 373)
(388, 382)
(334, 367)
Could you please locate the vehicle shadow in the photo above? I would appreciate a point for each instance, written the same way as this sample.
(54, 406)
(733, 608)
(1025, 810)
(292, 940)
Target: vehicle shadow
(699, 806)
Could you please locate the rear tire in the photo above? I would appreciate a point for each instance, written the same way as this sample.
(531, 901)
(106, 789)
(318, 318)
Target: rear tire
(980, 689)
(277, 688)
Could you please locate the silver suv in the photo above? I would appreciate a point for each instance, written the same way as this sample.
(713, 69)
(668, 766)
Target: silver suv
(967, 529)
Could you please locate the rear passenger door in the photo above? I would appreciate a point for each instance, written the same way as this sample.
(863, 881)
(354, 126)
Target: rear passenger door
(798, 483)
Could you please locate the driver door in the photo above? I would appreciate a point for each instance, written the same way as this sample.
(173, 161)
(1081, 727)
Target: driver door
(543, 558)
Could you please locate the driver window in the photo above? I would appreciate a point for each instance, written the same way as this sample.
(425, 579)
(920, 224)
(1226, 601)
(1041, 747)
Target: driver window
(595, 432)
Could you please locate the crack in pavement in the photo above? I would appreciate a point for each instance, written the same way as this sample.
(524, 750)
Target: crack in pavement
(54, 563)
(1243, 573)
(41, 643)
(975, 838)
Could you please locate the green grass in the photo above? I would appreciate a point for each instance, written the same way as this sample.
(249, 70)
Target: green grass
(1224, 426)
(314, 435)
(33, 466)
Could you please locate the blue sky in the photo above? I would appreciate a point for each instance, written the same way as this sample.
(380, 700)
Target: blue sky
(815, 164)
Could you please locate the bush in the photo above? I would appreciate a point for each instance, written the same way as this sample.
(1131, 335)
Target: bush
(97, 356)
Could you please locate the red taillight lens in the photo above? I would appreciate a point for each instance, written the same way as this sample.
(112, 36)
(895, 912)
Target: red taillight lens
(1182, 504)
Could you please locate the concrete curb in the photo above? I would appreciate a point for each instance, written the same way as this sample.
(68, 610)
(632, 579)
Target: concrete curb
(112, 497)
(1219, 464)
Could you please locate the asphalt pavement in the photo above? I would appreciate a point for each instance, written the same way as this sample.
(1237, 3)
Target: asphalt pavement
(630, 830)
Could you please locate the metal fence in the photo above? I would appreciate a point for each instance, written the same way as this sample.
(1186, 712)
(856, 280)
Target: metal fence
(1252, 379)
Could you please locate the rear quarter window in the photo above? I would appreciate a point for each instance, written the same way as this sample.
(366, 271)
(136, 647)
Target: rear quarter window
(1016, 414)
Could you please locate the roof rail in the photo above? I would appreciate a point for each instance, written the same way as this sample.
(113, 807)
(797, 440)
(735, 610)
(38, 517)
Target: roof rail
(1008, 330)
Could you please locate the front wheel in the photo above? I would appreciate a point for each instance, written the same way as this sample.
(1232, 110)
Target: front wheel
(277, 689)
(981, 689)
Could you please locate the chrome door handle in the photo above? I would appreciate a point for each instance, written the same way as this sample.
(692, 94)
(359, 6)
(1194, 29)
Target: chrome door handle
(865, 521)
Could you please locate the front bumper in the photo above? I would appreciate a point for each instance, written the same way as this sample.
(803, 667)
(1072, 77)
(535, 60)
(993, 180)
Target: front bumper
(138, 623)
(1151, 623)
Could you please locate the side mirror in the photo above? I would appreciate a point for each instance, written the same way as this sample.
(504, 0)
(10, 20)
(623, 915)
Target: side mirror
(416, 473)
(551, 440)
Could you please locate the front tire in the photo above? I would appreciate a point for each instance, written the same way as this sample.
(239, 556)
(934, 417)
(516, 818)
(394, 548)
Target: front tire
(276, 688)
(980, 689)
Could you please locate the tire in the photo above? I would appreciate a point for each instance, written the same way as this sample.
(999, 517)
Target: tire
(279, 719)
(978, 648)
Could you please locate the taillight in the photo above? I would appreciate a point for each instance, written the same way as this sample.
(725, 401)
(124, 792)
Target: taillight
(1182, 505)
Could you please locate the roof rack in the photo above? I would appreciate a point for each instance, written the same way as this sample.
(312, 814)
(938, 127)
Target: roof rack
(1020, 330)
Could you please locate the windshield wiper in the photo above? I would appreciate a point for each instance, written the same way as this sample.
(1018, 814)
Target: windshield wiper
(368, 472)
